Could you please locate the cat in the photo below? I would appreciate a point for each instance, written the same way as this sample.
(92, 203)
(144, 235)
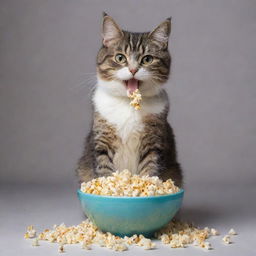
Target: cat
(122, 137)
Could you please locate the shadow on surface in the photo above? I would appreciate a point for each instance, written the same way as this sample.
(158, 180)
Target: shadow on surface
(200, 216)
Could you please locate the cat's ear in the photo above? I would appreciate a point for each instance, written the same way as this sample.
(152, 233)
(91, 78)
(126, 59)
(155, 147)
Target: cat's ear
(111, 32)
(160, 34)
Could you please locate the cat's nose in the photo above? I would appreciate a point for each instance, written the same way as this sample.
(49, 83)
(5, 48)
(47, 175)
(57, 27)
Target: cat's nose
(133, 70)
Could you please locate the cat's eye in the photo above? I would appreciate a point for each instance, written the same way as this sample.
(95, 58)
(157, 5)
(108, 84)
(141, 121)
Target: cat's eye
(147, 59)
(120, 58)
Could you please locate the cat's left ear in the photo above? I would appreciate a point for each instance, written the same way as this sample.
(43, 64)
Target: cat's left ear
(111, 32)
(161, 33)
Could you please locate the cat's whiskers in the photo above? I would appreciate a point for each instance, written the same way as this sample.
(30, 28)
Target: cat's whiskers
(89, 80)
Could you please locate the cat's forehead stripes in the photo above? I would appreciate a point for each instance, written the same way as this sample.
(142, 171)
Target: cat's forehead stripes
(134, 42)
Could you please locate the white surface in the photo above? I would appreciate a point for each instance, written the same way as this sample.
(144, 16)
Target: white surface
(219, 207)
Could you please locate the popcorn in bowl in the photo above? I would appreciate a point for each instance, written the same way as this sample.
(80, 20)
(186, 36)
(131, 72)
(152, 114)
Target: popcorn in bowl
(125, 184)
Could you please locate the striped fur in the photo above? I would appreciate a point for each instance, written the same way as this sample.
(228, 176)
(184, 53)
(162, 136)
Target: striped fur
(136, 45)
(121, 137)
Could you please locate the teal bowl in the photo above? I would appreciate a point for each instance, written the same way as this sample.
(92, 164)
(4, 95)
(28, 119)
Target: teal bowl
(125, 216)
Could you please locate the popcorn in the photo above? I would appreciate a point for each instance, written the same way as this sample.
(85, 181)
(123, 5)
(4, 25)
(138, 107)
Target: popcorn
(226, 239)
(214, 232)
(176, 244)
(31, 232)
(86, 245)
(125, 184)
(120, 247)
(26, 236)
(207, 229)
(179, 234)
(131, 240)
(145, 243)
(61, 248)
(176, 234)
(232, 232)
(136, 99)
(165, 239)
(206, 245)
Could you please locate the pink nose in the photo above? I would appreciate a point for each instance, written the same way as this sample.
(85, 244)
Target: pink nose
(133, 70)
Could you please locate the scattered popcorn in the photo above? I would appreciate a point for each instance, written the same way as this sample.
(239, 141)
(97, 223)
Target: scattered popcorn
(176, 244)
(206, 245)
(232, 232)
(226, 239)
(165, 239)
(179, 234)
(145, 243)
(176, 234)
(26, 236)
(31, 232)
(207, 229)
(131, 240)
(35, 242)
(136, 99)
(125, 184)
(86, 245)
(214, 232)
(85, 233)
(120, 247)
(61, 248)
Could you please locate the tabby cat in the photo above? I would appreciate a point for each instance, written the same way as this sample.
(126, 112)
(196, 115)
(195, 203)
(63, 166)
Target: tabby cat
(122, 137)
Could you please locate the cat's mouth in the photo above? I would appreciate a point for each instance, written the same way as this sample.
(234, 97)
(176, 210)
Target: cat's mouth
(131, 85)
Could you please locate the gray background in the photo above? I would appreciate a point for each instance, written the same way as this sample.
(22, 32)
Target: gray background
(47, 70)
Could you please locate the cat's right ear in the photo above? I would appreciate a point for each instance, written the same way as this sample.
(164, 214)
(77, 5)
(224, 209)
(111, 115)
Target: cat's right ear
(160, 34)
(111, 32)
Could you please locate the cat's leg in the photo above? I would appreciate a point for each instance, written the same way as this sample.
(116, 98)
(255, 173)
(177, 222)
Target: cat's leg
(148, 162)
(150, 152)
(99, 151)
(105, 140)
(158, 151)
(173, 171)
(153, 162)
(97, 159)
(104, 154)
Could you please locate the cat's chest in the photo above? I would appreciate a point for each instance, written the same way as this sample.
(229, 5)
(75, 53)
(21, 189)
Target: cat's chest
(129, 127)
(128, 123)
(118, 112)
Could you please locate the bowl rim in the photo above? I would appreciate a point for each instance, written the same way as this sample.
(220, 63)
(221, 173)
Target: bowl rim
(175, 195)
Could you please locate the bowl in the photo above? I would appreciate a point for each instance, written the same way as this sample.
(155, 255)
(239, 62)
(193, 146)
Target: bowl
(125, 216)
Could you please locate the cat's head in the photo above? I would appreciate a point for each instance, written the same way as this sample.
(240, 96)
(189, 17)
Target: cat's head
(127, 61)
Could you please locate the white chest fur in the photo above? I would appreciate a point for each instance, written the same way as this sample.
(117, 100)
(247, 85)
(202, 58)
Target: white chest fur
(128, 122)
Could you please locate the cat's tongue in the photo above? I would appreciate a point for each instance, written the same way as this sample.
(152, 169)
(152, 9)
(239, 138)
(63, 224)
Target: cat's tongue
(132, 85)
